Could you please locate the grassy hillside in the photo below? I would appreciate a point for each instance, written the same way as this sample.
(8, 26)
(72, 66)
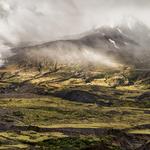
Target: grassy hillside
(73, 108)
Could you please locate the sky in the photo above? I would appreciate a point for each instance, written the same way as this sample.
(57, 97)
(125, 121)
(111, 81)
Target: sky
(36, 21)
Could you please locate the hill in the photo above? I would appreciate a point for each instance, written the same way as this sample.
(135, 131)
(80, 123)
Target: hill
(88, 92)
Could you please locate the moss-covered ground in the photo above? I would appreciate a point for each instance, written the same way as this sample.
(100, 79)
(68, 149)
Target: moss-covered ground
(63, 110)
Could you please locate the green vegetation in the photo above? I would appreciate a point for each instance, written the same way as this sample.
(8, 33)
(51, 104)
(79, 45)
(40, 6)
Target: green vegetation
(61, 110)
(53, 111)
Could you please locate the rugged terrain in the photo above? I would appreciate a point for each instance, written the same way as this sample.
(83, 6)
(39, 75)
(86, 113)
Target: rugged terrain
(50, 104)
(63, 109)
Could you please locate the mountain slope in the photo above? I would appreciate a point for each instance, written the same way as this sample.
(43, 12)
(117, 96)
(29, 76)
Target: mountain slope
(109, 47)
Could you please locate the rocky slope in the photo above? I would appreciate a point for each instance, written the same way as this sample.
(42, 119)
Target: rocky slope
(108, 47)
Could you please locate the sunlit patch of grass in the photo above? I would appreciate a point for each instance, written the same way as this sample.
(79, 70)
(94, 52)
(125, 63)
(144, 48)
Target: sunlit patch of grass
(73, 81)
(22, 139)
(140, 131)
(100, 82)
(42, 79)
(3, 85)
(90, 125)
(13, 146)
(130, 88)
(30, 136)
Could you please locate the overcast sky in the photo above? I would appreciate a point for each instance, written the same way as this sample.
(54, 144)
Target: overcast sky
(28, 21)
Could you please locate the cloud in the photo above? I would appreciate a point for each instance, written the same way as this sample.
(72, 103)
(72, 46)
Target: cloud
(111, 12)
(25, 22)
(38, 21)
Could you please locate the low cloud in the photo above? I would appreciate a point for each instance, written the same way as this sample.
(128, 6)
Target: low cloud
(24, 23)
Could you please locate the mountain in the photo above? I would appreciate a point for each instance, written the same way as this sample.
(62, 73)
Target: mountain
(105, 46)
(90, 91)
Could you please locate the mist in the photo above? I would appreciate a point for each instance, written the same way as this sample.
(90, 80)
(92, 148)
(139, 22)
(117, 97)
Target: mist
(24, 23)
(70, 56)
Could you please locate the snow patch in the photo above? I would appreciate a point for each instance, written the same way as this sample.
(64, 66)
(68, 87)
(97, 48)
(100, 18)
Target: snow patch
(119, 30)
(114, 43)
